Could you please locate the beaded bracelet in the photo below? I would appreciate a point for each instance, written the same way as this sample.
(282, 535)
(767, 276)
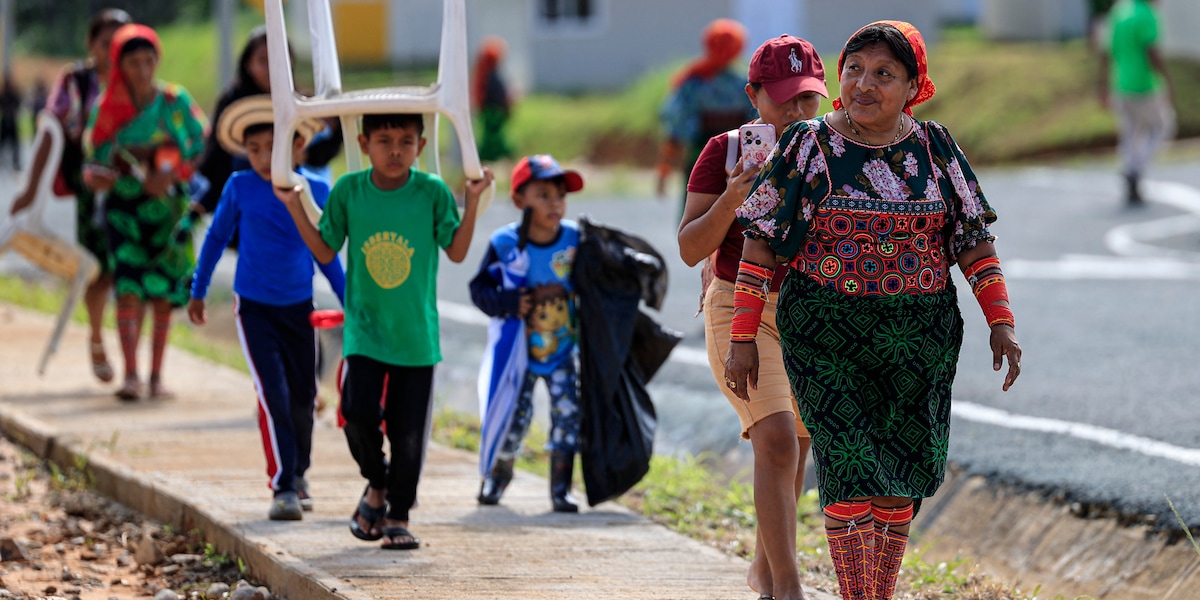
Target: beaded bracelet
(749, 300)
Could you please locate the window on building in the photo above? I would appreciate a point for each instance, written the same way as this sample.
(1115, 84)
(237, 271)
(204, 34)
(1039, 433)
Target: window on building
(574, 12)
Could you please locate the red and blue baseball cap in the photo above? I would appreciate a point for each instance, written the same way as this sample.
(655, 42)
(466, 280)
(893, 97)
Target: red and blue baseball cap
(543, 166)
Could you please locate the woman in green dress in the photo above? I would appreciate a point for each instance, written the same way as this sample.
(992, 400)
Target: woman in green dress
(870, 208)
(140, 144)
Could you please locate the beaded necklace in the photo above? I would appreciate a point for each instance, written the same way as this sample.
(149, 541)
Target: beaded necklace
(850, 122)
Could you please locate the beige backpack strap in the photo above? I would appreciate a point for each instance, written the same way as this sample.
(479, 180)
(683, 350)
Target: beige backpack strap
(731, 153)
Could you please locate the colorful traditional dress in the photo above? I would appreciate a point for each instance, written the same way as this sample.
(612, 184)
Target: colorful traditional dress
(149, 262)
(868, 316)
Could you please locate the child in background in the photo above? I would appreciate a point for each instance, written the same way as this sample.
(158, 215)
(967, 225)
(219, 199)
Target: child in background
(273, 297)
(526, 274)
(393, 218)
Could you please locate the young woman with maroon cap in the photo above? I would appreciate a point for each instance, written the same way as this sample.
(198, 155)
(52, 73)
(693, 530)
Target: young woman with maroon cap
(787, 81)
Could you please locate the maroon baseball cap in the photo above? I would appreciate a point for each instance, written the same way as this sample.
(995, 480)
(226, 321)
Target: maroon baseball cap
(543, 166)
(787, 66)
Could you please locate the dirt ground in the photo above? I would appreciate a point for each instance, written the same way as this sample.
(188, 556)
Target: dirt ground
(59, 540)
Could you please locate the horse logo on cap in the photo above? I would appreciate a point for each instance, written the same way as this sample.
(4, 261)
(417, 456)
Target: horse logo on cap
(797, 64)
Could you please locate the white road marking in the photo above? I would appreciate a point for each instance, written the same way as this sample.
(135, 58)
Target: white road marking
(1138, 257)
(1100, 435)
(1084, 266)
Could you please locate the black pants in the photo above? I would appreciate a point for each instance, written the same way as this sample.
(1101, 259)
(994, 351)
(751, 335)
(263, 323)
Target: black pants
(281, 350)
(382, 399)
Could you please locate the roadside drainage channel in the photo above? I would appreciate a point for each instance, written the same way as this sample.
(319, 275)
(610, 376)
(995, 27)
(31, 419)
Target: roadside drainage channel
(1024, 539)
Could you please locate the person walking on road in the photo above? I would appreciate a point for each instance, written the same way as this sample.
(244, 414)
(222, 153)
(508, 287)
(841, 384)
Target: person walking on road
(71, 102)
(525, 284)
(1135, 83)
(707, 98)
(782, 95)
(870, 208)
(140, 144)
(490, 96)
(394, 218)
(273, 299)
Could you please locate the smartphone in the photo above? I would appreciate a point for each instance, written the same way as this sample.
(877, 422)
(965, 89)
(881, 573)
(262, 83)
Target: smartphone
(757, 141)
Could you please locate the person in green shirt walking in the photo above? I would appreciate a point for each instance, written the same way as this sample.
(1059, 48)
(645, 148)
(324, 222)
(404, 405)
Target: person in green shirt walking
(393, 219)
(1135, 84)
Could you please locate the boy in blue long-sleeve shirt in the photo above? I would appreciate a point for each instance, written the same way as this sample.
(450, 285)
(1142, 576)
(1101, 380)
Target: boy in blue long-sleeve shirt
(273, 297)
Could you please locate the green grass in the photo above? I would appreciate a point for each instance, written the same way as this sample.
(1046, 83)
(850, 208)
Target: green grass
(47, 297)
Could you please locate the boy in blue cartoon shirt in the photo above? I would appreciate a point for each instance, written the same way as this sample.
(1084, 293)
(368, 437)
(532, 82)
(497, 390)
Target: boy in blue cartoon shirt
(524, 284)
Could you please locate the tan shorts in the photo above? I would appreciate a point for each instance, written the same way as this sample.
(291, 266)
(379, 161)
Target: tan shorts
(774, 393)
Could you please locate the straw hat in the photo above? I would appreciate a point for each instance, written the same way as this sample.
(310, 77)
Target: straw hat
(254, 110)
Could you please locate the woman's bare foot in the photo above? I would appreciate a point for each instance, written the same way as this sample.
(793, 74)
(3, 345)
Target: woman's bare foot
(100, 367)
(759, 577)
(158, 391)
(131, 390)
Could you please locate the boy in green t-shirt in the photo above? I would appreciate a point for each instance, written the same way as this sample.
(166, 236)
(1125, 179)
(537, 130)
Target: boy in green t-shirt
(1135, 83)
(393, 219)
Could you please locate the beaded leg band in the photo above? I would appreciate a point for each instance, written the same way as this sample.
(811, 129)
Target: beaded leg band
(890, 545)
(852, 548)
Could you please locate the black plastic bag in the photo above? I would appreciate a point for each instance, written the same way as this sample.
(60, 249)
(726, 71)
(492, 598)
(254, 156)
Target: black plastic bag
(620, 349)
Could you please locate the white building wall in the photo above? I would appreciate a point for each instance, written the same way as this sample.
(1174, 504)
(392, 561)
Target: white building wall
(829, 23)
(1034, 19)
(1181, 19)
(625, 39)
(628, 37)
(416, 30)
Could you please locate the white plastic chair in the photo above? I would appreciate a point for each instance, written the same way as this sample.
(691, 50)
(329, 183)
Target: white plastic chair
(448, 96)
(29, 236)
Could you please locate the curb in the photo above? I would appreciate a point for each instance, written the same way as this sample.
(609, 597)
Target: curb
(285, 575)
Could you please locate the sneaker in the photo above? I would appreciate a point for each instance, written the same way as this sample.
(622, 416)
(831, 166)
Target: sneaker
(306, 501)
(286, 507)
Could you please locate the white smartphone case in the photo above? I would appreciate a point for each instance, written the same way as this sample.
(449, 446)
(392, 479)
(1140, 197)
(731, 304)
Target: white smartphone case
(757, 141)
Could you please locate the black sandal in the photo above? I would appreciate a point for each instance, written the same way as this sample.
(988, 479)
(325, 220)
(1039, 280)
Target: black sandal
(392, 533)
(369, 514)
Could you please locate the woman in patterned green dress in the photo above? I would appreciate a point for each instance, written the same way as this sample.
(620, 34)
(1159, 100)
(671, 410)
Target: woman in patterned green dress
(140, 142)
(871, 208)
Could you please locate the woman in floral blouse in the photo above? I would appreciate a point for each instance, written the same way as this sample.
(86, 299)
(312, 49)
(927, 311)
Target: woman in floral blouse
(870, 208)
(140, 144)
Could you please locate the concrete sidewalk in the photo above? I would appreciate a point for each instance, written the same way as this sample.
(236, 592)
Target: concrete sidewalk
(196, 461)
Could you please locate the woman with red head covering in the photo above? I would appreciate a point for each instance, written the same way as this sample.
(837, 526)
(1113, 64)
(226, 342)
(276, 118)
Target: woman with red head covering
(870, 208)
(489, 96)
(707, 98)
(140, 144)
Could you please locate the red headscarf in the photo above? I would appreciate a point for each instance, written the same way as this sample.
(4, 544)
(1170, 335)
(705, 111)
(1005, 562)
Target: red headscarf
(491, 51)
(723, 42)
(115, 106)
(925, 87)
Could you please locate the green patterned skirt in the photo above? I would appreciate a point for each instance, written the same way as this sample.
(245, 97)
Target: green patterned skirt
(872, 378)
(148, 262)
(89, 231)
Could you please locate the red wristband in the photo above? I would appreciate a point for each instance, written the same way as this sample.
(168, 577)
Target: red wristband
(749, 300)
(990, 290)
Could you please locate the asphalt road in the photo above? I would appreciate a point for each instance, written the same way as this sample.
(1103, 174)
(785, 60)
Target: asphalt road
(1108, 315)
